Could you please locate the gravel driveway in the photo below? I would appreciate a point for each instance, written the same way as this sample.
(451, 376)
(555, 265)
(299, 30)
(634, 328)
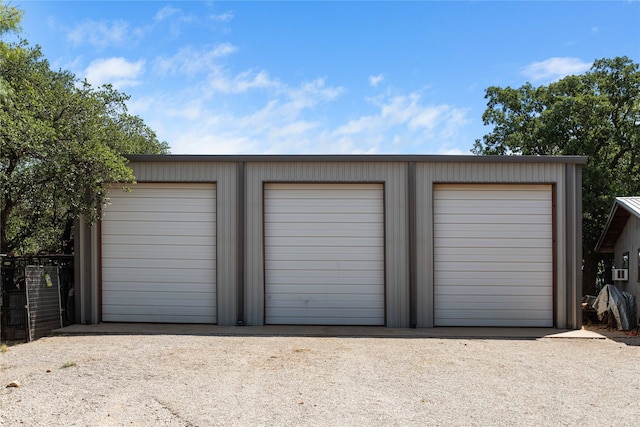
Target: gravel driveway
(238, 380)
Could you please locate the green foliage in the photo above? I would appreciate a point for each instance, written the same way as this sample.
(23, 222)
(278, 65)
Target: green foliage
(61, 141)
(10, 18)
(596, 114)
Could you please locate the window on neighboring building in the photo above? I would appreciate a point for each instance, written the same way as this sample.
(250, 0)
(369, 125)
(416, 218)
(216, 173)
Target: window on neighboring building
(625, 260)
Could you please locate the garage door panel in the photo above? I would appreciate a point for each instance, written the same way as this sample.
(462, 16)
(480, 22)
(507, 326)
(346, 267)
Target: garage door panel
(315, 206)
(337, 265)
(318, 253)
(496, 300)
(524, 208)
(336, 319)
(159, 263)
(486, 243)
(159, 229)
(342, 244)
(347, 316)
(324, 254)
(169, 310)
(355, 288)
(331, 218)
(497, 218)
(149, 287)
(454, 260)
(203, 203)
(191, 300)
(163, 318)
(481, 233)
(174, 191)
(176, 252)
(324, 301)
(353, 229)
(346, 282)
(531, 320)
(445, 251)
(493, 255)
(492, 269)
(530, 280)
(166, 217)
(166, 240)
(159, 255)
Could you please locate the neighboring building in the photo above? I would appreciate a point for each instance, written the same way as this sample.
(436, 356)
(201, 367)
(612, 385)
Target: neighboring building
(621, 237)
(399, 241)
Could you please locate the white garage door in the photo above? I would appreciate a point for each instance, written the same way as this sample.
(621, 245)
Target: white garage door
(324, 254)
(159, 254)
(493, 254)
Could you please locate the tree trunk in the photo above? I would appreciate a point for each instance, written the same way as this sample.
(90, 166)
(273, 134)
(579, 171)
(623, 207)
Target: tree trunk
(67, 237)
(590, 261)
(4, 215)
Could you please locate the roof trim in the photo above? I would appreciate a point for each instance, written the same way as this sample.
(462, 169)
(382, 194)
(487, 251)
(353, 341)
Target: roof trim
(621, 211)
(579, 160)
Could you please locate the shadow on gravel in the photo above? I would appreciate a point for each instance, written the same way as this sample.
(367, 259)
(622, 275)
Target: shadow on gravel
(631, 338)
(484, 333)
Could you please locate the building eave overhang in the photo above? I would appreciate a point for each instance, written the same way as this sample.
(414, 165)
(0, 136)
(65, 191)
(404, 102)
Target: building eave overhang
(623, 208)
(579, 160)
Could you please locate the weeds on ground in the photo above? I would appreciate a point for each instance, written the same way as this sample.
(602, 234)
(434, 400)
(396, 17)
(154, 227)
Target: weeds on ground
(4, 348)
(68, 365)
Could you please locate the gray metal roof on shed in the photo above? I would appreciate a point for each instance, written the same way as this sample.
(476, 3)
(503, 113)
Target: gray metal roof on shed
(354, 158)
(622, 210)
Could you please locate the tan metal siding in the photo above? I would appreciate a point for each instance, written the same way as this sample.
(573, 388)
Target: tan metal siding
(427, 174)
(393, 175)
(392, 171)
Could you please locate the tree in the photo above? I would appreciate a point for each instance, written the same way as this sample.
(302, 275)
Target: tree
(9, 22)
(61, 142)
(596, 114)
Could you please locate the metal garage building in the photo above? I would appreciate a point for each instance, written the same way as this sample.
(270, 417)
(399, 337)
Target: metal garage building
(400, 241)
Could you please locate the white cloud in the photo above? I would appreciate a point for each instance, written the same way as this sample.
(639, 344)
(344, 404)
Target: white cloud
(101, 34)
(166, 12)
(117, 71)
(404, 122)
(376, 80)
(555, 68)
(453, 152)
(224, 17)
(191, 61)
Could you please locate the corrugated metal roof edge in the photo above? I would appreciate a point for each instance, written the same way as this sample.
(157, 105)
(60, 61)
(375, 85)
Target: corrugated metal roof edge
(580, 160)
(623, 202)
(632, 204)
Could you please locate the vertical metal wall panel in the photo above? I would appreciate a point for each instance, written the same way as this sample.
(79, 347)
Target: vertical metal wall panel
(392, 174)
(573, 214)
(430, 173)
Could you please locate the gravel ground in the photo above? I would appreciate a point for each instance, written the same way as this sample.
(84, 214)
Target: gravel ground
(218, 380)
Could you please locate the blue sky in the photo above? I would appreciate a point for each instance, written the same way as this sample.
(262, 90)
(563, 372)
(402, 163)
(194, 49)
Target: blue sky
(329, 77)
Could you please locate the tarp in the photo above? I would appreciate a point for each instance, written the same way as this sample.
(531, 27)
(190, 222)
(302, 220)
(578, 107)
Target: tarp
(621, 305)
